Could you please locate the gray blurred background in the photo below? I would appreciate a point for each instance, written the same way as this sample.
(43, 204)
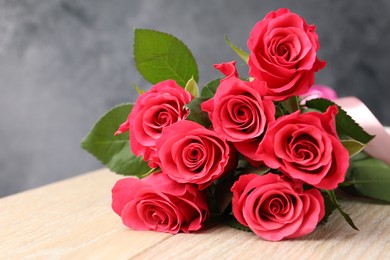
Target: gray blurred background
(63, 63)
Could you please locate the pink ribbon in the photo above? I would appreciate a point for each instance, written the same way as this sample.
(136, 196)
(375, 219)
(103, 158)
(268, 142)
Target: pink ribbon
(380, 145)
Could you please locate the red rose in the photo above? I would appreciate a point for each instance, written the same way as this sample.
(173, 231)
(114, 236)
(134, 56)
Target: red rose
(306, 147)
(239, 114)
(190, 153)
(275, 208)
(160, 204)
(155, 109)
(283, 52)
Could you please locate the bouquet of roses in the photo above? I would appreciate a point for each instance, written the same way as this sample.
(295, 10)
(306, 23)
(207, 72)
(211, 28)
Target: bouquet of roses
(264, 152)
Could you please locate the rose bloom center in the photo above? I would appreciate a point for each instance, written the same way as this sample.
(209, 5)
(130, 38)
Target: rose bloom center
(194, 156)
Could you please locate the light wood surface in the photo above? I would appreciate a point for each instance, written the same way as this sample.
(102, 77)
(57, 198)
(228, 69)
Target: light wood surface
(72, 219)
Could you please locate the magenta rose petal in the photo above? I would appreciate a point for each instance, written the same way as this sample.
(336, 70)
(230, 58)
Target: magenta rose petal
(190, 153)
(122, 192)
(228, 69)
(303, 147)
(283, 52)
(239, 114)
(154, 110)
(161, 204)
(275, 207)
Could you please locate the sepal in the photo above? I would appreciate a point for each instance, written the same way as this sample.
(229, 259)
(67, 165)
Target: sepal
(242, 54)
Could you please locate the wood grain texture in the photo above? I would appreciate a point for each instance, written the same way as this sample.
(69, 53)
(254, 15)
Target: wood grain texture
(72, 219)
(334, 240)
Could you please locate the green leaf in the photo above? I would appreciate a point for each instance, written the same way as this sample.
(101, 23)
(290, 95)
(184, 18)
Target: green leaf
(160, 56)
(196, 114)
(291, 104)
(371, 178)
(279, 111)
(360, 156)
(242, 54)
(344, 123)
(152, 170)
(223, 195)
(329, 207)
(210, 88)
(260, 170)
(247, 168)
(353, 147)
(114, 151)
(192, 87)
(333, 200)
(232, 222)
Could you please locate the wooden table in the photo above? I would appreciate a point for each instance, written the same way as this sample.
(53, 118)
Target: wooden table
(72, 219)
